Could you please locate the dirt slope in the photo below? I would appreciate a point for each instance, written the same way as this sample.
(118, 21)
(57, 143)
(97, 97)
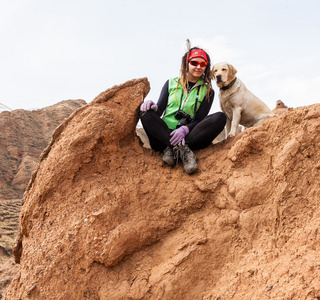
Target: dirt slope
(104, 218)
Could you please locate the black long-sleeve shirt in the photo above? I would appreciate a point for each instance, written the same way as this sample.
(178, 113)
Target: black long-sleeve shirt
(201, 113)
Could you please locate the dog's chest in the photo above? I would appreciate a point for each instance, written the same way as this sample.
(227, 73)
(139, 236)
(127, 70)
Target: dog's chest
(227, 102)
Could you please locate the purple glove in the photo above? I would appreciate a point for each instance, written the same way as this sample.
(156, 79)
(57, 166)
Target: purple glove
(149, 104)
(178, 135)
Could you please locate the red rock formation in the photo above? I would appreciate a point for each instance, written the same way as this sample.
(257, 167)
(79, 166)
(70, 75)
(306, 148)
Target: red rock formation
(9, 223)
(281, 108)
(23, 136)
(104, 218)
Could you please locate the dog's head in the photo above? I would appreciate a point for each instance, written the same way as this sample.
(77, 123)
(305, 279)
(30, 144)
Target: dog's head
(223, 73)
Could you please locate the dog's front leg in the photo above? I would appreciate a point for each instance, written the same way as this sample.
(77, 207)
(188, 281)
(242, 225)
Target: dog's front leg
(236, 116)
(228, 127)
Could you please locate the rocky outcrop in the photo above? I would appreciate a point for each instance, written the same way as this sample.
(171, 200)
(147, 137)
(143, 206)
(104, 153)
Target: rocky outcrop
(24, 135)
(105, 218)
(281, 108)
(9, 224)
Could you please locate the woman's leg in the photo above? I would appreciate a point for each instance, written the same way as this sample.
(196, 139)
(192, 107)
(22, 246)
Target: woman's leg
(156, 129)
(202, 135)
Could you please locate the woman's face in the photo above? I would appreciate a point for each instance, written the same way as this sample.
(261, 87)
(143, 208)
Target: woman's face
(195, 69)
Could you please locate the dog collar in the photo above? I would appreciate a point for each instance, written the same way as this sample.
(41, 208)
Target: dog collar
(229, 85)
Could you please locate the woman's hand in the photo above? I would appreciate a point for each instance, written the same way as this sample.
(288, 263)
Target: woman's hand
(147, 105)
(178, 135)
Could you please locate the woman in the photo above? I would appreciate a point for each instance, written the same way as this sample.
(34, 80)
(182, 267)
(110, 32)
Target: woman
(179, 122)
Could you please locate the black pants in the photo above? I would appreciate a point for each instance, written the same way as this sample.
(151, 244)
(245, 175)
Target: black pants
(200, 137)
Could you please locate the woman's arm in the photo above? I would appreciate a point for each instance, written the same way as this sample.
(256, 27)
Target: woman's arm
(163, 99)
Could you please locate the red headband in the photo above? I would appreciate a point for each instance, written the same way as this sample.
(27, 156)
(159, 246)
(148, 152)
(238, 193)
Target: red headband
(197, 53)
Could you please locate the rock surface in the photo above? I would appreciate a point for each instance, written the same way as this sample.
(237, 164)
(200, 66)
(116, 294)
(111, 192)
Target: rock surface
(23, 136)
(281, 108)
(9, 223)
(105, 218)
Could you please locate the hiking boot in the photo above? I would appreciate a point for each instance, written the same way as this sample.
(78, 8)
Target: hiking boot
(168, 156)
(187, 157)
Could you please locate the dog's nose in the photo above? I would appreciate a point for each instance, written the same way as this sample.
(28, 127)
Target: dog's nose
(219, 78)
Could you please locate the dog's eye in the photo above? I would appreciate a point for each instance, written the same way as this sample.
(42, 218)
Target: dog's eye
(224, 69)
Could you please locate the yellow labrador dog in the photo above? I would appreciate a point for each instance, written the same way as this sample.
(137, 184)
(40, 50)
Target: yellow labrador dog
(240, 106)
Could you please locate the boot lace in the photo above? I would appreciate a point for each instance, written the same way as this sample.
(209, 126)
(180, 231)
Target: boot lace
(178, 152)
(181, 152)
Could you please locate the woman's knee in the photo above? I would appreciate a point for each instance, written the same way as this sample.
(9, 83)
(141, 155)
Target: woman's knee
(218, 118)
(221, 117)
(147, 116)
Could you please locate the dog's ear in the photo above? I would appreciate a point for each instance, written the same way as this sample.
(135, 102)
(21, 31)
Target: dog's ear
(211, 76)
(232, 72)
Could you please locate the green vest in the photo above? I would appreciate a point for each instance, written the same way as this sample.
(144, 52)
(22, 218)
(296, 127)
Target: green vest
(188, 101)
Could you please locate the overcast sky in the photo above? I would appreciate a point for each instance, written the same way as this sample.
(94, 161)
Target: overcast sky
(54, 50)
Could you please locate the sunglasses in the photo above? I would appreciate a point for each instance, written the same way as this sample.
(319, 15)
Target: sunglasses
(196, 63)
